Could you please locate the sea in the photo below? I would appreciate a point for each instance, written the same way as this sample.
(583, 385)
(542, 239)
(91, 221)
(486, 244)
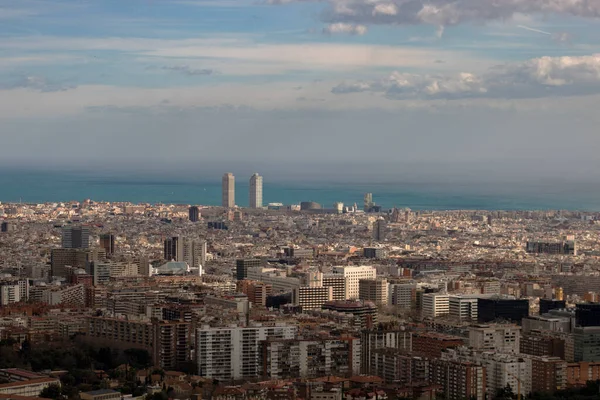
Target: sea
(60, 186)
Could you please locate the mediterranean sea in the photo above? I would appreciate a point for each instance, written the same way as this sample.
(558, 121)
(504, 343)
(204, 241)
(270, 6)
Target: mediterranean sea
(59, 186)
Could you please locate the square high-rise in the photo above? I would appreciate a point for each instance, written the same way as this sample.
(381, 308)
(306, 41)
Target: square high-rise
(228, 191)
(76, 237)
(256, 191)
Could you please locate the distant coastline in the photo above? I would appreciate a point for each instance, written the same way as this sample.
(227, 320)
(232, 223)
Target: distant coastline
(56, 186)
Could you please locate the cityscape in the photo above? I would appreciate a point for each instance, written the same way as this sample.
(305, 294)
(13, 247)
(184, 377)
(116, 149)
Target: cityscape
(299, 200)
(106, 301)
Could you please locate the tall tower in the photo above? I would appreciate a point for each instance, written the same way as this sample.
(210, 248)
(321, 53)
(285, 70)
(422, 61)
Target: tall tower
(368, 202)
(256, 186)
(379, 230)
(107, 242)
(194, 214)
(228, 194)
(76, 237)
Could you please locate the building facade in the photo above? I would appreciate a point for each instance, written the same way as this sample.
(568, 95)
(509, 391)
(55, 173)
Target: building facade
(228, 191)
(256, 191)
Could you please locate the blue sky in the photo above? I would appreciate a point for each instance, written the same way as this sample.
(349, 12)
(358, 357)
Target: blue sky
(434, 86)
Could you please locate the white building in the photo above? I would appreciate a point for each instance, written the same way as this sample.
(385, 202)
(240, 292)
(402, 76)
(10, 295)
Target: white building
(463, 308)
(9, 293)
(234, 352)
(501, 369)
(502, 338)
(354, 274)
(228, 190)
(276, 278)
(436, 304)
(256, 191)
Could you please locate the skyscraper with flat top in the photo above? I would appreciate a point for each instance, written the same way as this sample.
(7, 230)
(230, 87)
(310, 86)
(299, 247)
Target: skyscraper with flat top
(256, 183)
(228, 194)
(76, 237)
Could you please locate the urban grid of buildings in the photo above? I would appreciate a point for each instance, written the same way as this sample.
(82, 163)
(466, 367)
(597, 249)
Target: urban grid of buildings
(304, 301)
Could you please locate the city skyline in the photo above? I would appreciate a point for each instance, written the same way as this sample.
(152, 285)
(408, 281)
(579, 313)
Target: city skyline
(442, 90)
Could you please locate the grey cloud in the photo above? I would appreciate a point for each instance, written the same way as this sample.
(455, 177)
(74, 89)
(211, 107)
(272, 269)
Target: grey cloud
(540, 77)
(447, 12)
(187, 70)
(38, 83)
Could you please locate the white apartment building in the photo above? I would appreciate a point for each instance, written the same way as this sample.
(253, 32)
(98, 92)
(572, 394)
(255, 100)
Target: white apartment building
(435, 305)
(227, 353)
(354, 274)
(501, 369)
(311, 297)
(9, 293)
(463, 308)
(502, 338)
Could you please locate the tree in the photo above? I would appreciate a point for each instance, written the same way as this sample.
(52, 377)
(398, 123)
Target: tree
(505, 393)
(52, 392)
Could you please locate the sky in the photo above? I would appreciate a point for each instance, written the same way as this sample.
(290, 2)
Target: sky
(458, 90)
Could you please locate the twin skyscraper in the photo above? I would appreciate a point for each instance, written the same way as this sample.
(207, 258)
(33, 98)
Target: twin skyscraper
(255, 191)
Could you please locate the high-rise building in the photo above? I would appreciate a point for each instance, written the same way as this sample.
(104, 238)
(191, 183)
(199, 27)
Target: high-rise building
(587, 344)
(191, 251)
(379, 230)
(9, 293)
(587, 314)
(7, 227)
(353, 274)
(403, 295)
(311, 297)
(256, 191)
(368, 202)
(364, 312)
(228, 191)
(60, 259)
(227, 353)
(338, 283)
(173, 249)
(194, 214)
(463, 308)
(435, 305)
(76, 237)
(432, 344)
(502, 309)
(548, 374)
(549, 304)
(107, 242)
(258, 293)
(503, 338)
(459, 380)
(242, 265)
(375, 290)
(312, 358)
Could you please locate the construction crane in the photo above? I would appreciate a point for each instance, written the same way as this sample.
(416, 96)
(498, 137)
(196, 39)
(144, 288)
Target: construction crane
(518, 384)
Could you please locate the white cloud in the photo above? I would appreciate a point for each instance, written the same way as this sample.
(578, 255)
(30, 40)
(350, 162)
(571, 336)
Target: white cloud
(385, 9)
(223, 53)
(449, 12)
(540, 77)
(341, 27)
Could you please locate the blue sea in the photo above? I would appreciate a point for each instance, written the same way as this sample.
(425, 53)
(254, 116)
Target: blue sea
(57, 186)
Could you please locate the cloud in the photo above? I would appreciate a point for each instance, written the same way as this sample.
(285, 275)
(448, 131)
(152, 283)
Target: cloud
(37, 83)
(187, 70)
(540, 77)
(447, 12)
(341, 27)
